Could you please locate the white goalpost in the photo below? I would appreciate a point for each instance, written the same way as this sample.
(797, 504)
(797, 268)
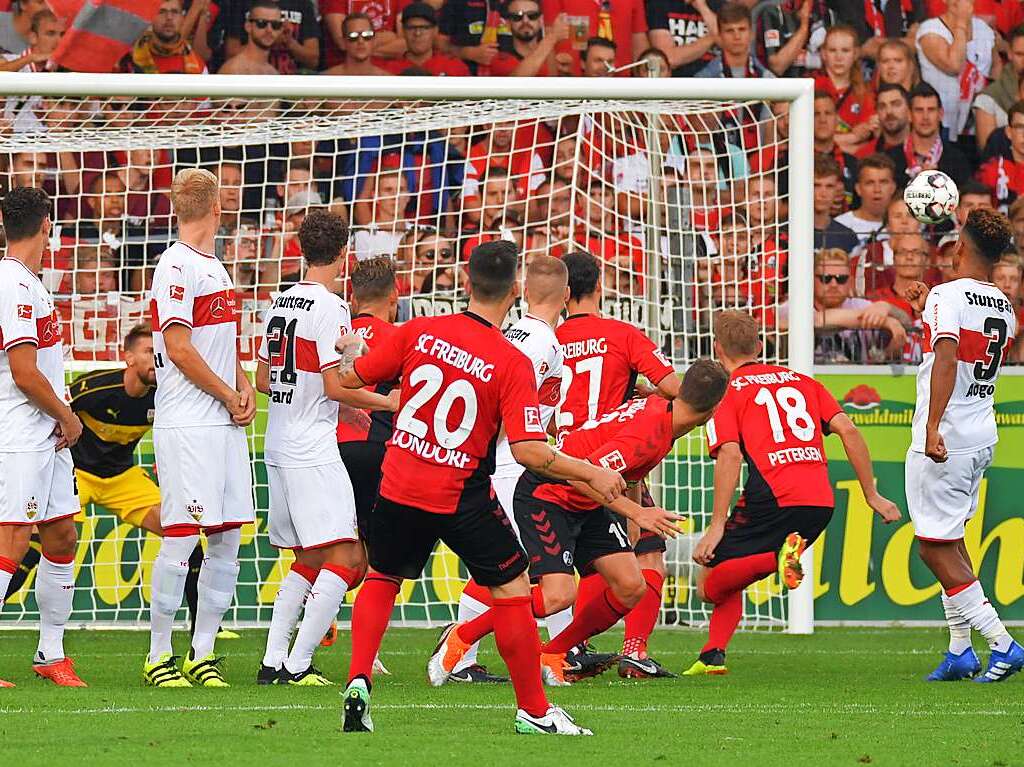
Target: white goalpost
(695, 194)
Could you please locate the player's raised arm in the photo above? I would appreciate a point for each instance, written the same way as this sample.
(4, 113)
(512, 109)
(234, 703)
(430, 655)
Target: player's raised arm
(860, 459)
(541, 458)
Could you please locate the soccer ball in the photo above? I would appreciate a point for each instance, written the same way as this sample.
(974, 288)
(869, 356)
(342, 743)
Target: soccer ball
(931, 197)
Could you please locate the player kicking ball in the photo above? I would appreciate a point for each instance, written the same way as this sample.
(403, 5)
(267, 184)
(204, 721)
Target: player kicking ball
(775, 419)
(566, 528)
(462, 381)
(969, 325)
(312, 506)
(37, 481)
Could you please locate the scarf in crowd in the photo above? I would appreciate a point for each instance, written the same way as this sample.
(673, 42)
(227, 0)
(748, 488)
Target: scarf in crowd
(875, 18)
(148, 49)
(930, 159)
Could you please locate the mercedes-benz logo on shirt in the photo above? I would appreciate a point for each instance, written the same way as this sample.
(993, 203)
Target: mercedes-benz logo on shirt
(217, 307)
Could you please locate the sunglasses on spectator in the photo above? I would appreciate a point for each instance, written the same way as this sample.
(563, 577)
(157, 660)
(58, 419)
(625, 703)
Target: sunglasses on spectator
(418, 28)
(443, 253)
(839, 279)
(520, 15)
(366, 34)
(264, 23)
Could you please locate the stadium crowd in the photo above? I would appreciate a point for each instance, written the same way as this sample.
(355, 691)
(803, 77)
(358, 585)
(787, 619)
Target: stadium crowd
(901, 86)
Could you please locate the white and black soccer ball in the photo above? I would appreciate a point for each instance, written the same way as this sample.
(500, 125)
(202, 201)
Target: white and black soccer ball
(932, 196)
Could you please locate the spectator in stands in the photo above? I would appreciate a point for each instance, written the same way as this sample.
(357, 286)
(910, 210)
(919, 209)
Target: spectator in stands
(381, 207)
(357, 36)
(530, 51)
(735, 33)
(298, 179)
(792, 33)
(828, 184)
(621, 21)
(685, 31)
(470, 30)
(973, 195)
(44, 36)
(26, 169)
(1016, 215)
(429, 253)
(893, 104)
(146, 174)
(925, 148)
(264, 26)
(841, 78)
(229, 186)
(897, 65)
(992, 104)
(957, 51)
(163, 49)
(941, 269)
(382, 14)
(16, 24)
(1007, 277)
(419, 29)
(876, 21)
(96, 270)
(599, 57)
(238, 248)
(295, 48)
(909, 257)
(769, 243)
(876, 185)
(826, 122)
(1005, 172)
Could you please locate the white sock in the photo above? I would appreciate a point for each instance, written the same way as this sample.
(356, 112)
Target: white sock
(170, 570)
(287, 606)
(959, 629)
(469, 609)
(217, 582)
(974, 607)
(321, 608)
(55, 589)
(558, 622)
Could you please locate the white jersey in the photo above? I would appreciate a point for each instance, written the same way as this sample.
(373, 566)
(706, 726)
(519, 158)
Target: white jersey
(298, 340)
(27, 315)
(536, 339)
(192, 289)
(982, 321)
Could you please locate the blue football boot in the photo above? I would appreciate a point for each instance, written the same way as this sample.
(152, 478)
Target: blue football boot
(956, 667)
(1003, 665)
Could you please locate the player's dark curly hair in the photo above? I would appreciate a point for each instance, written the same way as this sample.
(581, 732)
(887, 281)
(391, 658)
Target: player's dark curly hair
(373, 279)
(584, 274)
(989, 232)
(24, 209)
(492, 269)
(704, 385)
(322, 235)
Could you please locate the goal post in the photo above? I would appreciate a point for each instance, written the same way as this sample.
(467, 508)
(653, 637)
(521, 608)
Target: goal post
(611, 165)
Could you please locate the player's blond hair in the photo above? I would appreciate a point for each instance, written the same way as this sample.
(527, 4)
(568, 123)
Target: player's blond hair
(546, 279)
(194, 192)
(831, 256)
(737, 333)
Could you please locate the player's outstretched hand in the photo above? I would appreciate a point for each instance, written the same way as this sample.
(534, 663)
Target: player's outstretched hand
(705, 548)
(935, 446)
(353, 416)
(394, 399)
(916, 293)
(67, 431)
(658, 521)
(608, 483)
(886, 509)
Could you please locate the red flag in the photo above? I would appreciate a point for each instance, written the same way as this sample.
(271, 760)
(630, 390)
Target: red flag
(100, 32)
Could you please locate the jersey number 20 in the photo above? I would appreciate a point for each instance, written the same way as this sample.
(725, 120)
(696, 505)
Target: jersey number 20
(792, 402)
(460, 389)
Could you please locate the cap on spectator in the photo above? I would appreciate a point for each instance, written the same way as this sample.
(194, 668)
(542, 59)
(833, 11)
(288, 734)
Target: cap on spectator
(302, 201)
(420, 11)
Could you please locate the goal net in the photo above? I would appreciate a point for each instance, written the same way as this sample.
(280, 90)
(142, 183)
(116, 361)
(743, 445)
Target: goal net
(684, 200)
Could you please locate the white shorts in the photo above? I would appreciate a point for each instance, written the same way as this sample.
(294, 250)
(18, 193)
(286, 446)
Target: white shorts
(942, 497)
(311, 506)
(505, 489)
(37, 487)
(205, 476)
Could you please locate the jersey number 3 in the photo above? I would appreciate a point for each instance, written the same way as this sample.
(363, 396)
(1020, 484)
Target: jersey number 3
(996, 331)
(792, 402)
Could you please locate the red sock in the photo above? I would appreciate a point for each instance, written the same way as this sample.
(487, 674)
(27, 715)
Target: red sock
(592, 618)
(641, 619)
(724, 620)
(736, 574)
(515, 634)
(473, 631)
(370, 616)
(590, 587)
(480, 593)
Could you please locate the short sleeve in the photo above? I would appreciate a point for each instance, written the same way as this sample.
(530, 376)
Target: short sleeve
(173, 295)
(262, 354)
(657, 17)
(772, 25)
(942, 314)
(640, 444)
(828, 407)
(17, 316)
(310, 26)
(383, 362)
(335, 322)
(724, 425)
(639, 18)
(520, 409)
(647, 358)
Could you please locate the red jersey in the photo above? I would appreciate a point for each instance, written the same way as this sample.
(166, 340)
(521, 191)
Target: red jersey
(779, 419)
(439, 65)
(373, 331)
(617, 22)
(602, 360)
(851, 108)
(461, 382)
(632, 439)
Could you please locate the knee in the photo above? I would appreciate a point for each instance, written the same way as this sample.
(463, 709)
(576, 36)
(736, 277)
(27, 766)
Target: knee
(630, 591)
(699, 589)
(59, 541)
(559, 595)
(653, 561)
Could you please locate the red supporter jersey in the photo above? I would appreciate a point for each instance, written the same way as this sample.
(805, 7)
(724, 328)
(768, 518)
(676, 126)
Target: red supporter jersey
(439, 65)
(632, 439)
(602, 360)
(461, 382)
(779, 419)
(373, 331)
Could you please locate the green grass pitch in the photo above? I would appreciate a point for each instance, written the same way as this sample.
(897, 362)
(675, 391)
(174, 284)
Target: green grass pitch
(839, 697)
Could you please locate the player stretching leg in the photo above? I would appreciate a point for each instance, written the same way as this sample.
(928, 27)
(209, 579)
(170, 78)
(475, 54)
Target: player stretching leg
(777, 419)
(461, 382)
(565, 526)
(603, 359)
(546, 291)
(969, 326)
(203, 401)
(37, 481)
(312, 507)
